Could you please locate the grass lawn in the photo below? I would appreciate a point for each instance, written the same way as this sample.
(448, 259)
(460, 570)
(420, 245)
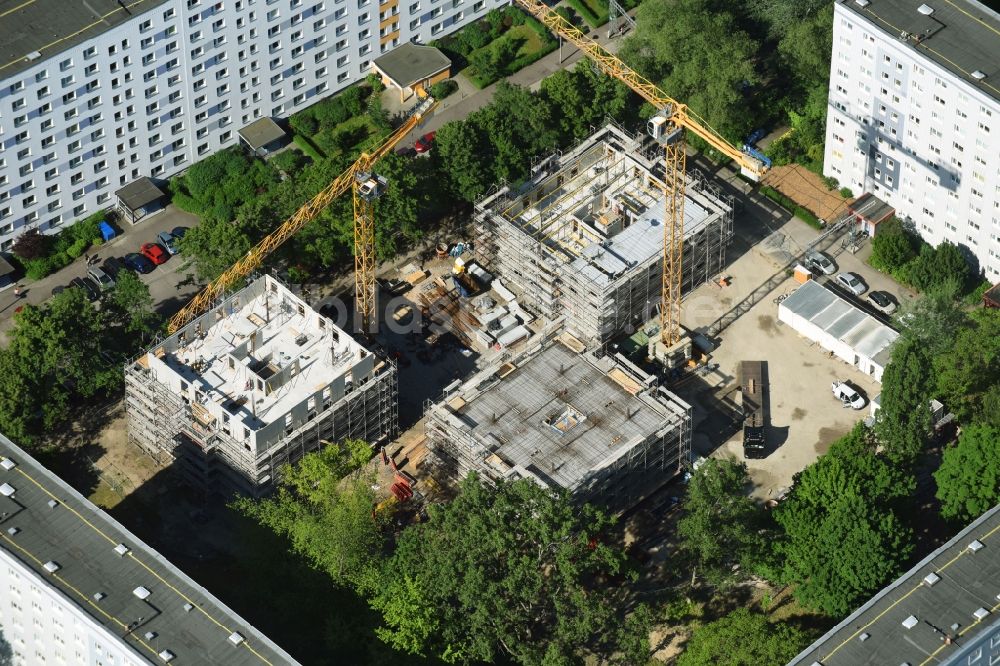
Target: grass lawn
(531, 47)
(593, 12)
(358, 128)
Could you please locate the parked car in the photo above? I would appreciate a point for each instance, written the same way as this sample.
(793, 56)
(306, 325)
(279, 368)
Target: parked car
(852, 282)
(848, 395)
(167, 240)
(58, 290)
(882, 302)
(138, 262)
(88, 286)
(821, 263)
(154, 252)
(112, 266)
(178, 232)
(103, 280)
(424, 143)
(406, 151)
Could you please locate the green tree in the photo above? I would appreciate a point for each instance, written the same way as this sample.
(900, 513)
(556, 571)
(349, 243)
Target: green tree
(743, 638)
(783, 16)
(519, 126)
(893, 247)
(463, 154)
(213, 246)
(971, 369)
(633, 637)
(843, 537)
(903, 421)
(217, 185)
(132, 303)
(324, 506)
(935, 267)
(721, 527)
(510, 571)
(806, 46)
(698, 53)
(968, 479)
(581, 98)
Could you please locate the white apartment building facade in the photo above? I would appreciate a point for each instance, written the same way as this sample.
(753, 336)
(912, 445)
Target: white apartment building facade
(95, 95)
(914, 116)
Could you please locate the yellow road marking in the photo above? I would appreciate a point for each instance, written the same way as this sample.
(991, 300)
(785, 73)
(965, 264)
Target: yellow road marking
(135, 559)
(942, 568)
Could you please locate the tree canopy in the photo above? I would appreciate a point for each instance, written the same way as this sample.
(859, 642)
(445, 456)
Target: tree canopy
(968, 479)
(722, 527)
(512, 571)
(324, 506)
(903, 422)
(743, 638)
(844, 537)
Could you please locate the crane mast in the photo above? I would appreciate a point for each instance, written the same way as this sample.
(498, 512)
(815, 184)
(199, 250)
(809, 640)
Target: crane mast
(668, 128)
(367, 188)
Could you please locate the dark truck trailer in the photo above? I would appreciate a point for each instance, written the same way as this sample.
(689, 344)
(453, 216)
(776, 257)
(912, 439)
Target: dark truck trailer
(752, 390)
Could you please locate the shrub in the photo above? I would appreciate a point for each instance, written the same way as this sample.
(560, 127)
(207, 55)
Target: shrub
(830, 182)
(304, 123)
(800, 212)
(893, 247)
(32, 244)
(846, 193)
(289, 161)
(374, 81)
(442, 89)
(78, 247)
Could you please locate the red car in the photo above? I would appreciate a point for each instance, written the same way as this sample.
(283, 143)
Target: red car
(154, 252)
(423, 144)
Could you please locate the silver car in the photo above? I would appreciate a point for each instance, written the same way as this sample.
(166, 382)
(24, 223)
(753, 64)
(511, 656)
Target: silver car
(852, 282)
(821, 262)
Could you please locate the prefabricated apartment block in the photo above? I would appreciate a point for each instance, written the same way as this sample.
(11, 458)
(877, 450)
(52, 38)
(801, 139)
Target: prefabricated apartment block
(583, 238)
(600, 428)
(256, 382)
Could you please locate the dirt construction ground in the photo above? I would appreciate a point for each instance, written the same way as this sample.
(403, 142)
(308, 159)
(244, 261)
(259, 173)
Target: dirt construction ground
(804, 418)
(807, 189)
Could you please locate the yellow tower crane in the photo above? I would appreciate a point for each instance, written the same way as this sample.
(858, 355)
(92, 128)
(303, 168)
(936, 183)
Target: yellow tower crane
(667, 127)
(367, 187)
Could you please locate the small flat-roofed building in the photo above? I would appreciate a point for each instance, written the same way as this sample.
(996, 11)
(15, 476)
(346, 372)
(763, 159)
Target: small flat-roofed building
(600, 428)
(139, 198)
(942, 611)
(79, 588)
(256, 382)
(869, 212)
(262, 137)
(854, 336)
(412, 69)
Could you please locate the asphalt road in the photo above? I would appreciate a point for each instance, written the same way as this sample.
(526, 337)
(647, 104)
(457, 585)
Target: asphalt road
(170, 284)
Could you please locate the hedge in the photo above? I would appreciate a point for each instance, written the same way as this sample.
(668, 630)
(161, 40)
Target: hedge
(584, 10)
(798, 211)
(66, 246)
(307, 147)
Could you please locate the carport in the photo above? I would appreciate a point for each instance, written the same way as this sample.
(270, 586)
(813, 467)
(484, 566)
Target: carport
(6, 273)
(855, 337)
(412, 68)
(262, 137)
(138, 199)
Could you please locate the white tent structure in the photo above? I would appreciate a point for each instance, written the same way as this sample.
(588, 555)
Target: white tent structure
(854, 336)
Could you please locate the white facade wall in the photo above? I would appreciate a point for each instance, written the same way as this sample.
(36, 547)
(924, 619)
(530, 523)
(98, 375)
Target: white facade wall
(175, 83)
(43, 626)
(838, 347)
(919, 137)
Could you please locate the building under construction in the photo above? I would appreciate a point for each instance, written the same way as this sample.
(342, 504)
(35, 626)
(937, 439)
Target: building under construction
(584, 236)
(555, 413)
(256, 382)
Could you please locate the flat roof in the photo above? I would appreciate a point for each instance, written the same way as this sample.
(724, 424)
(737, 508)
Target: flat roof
(962, 36)
(264, 331)
(411, 63)
(139, 193)
(261, 132)
(49, 27)
(871, 208)
(560, 414)
(943, 595)
(841, 320)
(54, 523)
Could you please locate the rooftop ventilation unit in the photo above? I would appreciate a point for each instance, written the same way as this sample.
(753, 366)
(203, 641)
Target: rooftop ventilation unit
(910, 622)
(34, 55)
(53, 503)
(976, 546)
(13, 530)
(236, 638)
(8, 464)
(979, 75)
(121, 549)
(926, 10)
(865, 636)
(188, 608)
(862, 3)
(150, 635)
(99, 595)
(6, 490)
(51, 566)
(931, 579)
(980, 613)
(166, 655)
(141, 592)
